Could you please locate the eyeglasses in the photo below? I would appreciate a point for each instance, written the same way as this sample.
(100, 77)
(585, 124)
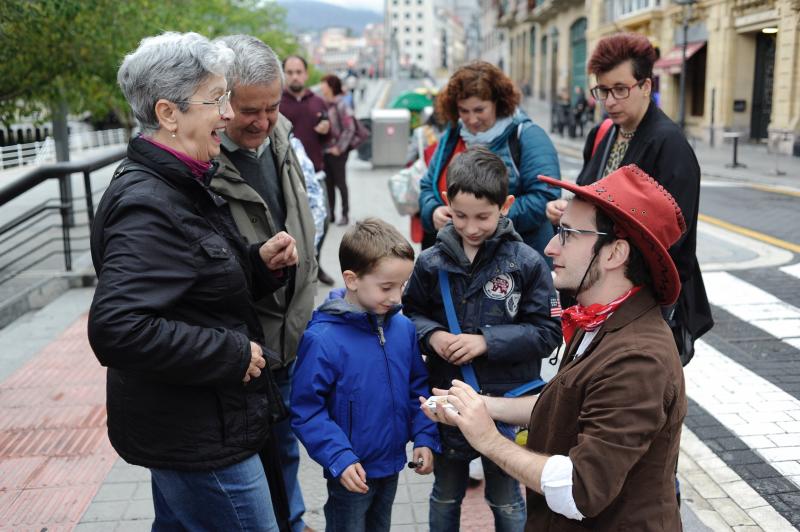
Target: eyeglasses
(221, 102)
(620, 92)
(563, 232)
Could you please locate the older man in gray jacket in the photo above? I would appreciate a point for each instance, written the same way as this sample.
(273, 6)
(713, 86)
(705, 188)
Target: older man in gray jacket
(263, 182)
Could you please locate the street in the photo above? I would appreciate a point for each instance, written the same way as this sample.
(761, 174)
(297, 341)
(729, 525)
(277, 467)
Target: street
(740, 456)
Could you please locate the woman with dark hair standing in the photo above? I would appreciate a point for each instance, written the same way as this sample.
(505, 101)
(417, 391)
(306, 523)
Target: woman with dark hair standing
(480, 106)
(343, 127)
(640, 133)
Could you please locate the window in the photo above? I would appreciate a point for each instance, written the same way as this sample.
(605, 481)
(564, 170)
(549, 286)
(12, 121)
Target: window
(408, 43)
(419, 57)
(408, 15)
(419, 42)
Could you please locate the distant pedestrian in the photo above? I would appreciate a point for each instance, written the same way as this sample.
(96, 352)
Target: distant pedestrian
(579, 110)
(640, 133)
(337, 147)
(358, 375)
(189, 395)
(308, 114)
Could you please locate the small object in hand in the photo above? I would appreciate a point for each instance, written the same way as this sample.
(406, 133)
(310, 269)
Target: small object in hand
(434, 401)
(414, 465)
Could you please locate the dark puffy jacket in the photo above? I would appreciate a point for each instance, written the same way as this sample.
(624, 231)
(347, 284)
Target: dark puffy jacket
(172, 319)
(504, 294)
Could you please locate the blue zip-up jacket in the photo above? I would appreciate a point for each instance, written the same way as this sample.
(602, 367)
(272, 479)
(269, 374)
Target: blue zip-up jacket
(355, 390)
(505, 294)
(537, 156)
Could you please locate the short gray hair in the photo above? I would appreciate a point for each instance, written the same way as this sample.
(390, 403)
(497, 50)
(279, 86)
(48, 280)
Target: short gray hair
(255, 63)
(169, 66)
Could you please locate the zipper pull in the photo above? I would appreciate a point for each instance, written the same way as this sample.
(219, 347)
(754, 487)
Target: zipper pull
(381, 338)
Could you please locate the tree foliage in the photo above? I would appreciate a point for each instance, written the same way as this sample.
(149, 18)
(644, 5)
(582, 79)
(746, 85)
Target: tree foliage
(70, 50)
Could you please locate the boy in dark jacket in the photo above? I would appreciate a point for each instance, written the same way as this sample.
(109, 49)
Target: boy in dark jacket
(503, 297)
(358, 376)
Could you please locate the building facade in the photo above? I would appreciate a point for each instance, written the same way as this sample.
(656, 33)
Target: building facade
(742, 66)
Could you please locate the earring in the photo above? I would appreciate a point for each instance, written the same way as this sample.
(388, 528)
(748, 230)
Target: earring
(173, 135)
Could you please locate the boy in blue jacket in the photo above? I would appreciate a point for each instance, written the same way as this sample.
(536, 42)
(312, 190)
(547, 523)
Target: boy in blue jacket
(507, 310)
(358, 376)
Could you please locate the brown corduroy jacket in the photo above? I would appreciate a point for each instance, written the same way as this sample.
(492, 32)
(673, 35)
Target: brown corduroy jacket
(617, 412)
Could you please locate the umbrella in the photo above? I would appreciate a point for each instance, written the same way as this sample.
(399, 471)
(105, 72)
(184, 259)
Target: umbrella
(411, 100)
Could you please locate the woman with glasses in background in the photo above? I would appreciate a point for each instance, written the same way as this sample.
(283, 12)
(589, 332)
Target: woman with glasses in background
(173, 320)
(641, 134)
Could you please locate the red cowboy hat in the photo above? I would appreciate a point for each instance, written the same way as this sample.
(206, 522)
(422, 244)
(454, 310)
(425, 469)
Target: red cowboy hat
(644, 212)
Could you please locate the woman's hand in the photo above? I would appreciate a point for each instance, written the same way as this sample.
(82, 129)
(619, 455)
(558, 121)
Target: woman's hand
(334, 151)
(278, 252)
(441, 216)
(554, 210)
(257, 363)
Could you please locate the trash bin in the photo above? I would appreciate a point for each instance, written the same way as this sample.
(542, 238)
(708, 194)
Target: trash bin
(390, 133)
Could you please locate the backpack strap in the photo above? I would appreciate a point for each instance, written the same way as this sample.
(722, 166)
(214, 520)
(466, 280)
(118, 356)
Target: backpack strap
(515, 147)
(605, 125)
(452, 322)
(467, 370)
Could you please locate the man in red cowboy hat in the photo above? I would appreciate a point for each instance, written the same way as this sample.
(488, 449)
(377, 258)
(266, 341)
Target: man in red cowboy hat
(604, 434)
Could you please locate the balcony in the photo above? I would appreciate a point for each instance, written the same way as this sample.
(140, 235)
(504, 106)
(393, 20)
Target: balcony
(543, 10)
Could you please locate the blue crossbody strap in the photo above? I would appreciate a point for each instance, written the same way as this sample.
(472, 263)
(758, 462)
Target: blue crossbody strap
(467, 370)
(452, 322)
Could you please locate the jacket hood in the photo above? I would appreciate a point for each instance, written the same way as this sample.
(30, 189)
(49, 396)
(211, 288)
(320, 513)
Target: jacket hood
(166, 164)
(337, 309)
(451, 242)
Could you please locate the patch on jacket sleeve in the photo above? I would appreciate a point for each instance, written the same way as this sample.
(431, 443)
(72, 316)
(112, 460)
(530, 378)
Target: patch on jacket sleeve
(512, 304)
(499, 287)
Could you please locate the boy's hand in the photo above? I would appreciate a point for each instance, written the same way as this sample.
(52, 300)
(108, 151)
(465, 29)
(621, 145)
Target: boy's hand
(441, 216)
(440, 341)
(354, 478)
(464, 348)
(554, 210)
(424, 457)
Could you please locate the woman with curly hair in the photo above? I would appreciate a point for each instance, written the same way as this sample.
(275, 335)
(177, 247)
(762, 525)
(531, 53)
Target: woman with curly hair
(480, 106)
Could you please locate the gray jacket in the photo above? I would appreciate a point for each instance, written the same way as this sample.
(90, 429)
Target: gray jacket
(284, 313)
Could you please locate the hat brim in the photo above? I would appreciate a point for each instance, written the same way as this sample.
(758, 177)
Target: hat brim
(666, 281)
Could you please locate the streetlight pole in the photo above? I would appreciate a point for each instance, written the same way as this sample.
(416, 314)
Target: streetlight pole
(687, 7)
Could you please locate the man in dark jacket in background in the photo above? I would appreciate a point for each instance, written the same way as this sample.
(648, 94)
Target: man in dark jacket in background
(264, 186)
(308, 113)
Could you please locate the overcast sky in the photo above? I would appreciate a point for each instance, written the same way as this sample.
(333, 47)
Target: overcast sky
(374, 5)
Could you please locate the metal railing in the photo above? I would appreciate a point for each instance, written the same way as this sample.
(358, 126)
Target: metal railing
(27, 240)
(40, 152)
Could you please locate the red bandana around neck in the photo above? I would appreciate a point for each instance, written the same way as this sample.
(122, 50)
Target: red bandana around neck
(591, 317)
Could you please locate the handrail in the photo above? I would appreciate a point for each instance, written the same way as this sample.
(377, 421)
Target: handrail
(42, 173)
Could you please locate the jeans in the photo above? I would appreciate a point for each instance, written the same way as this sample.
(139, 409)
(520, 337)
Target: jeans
(229, 498)
(289, 453)
(346, 511)
(502, 493)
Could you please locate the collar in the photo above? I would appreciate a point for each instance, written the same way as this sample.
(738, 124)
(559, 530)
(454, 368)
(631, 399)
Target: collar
(592, 317)
(485, 137)
(231, 146)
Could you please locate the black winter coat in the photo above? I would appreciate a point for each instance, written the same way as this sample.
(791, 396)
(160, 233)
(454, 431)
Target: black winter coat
(172, 319)
(661, 150)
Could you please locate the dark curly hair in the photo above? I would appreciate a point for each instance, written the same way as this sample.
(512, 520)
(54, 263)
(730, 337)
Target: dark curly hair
(334, 83)
(482, 80)
(614, 50)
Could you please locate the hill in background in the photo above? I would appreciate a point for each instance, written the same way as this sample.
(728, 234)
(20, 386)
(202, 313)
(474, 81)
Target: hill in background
(302, 15)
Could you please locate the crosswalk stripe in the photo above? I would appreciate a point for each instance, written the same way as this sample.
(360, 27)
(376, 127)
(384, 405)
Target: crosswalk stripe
(793, 270)
(763, 416)
(754, 306)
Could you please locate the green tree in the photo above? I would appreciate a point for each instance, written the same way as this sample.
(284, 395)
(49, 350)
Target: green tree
(63, 55)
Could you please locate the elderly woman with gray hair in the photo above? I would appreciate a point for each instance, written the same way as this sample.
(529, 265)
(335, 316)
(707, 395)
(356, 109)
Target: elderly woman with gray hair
(173, 316)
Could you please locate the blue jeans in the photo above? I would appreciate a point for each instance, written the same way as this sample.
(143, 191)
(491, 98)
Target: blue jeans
(346, 511)
(289, 453)
(502, 493)
(230, 498)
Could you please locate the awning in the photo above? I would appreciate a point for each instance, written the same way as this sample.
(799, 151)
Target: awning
(671, 63)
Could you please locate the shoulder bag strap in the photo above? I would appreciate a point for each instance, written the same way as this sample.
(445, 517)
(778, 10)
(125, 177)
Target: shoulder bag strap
(452, 322)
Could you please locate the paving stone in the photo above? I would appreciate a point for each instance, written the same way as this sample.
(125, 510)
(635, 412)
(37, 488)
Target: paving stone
(757, 442)
(128, 473)
(731, 513)
(762, 470)
(741, 457)
(771, 486)
(144, 490)
(768, 519)
(121, 491)
(747, 528)
(421, 510)
(780, 454)
(402, 514)
(785, 440)
(743, 495)
(94, 527)
(713, 520)
(104, 511)
(141, 509)
(140, 525)
(733, 444)
(789, 467)
(707, 488)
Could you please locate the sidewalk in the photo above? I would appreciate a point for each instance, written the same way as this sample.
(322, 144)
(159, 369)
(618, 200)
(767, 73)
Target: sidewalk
(760, 165)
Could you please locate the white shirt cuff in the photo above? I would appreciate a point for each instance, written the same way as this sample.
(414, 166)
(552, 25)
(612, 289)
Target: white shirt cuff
(557, 486)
